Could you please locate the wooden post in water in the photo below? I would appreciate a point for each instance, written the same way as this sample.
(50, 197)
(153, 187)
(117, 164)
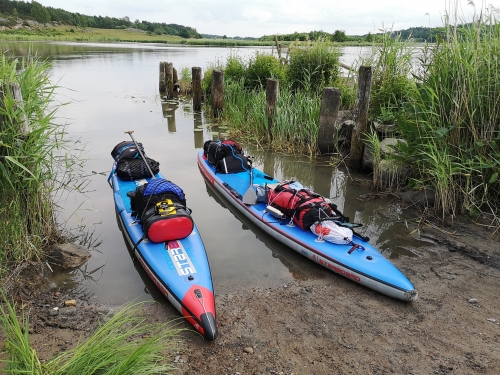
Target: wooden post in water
(14, 90)
(330, 104)
(175, 78)
(217, 92)
(196, 87)
(169, 80)
(272, 87)
(278, 47)
(360, 117)
(162, 86)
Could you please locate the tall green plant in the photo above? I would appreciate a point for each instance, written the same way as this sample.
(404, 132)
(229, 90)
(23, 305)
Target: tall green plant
(125, 344)
(313, 65)
(29, 144)
(452, 123)
(391, 59)
(260, 68)
(295, 124)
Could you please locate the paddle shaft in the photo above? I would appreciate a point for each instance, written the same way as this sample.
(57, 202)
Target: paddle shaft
(129, 132)
(250, 197)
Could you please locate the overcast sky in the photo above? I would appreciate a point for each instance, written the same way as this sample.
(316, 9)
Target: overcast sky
(255, 18)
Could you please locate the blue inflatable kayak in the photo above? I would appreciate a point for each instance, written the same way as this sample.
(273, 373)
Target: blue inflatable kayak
(179, 267)
(362, 263)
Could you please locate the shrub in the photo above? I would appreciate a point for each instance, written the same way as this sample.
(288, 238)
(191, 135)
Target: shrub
(392, 83)
(313, 66)
(262, 67)
(235, 68)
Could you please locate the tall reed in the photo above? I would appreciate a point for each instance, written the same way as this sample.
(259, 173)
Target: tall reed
(452, 122)
(391, 60)
(313, 65)
(295, 125)
(28, 166)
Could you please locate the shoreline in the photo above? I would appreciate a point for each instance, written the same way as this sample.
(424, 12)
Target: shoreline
(316, 325)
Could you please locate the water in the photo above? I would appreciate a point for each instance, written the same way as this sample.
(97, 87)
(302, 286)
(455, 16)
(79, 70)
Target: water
(110, 88)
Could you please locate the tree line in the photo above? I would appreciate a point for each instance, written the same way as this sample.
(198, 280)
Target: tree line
(43, 14)
(417, 34)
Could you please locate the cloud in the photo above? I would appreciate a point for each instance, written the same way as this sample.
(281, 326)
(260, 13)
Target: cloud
(264, 17)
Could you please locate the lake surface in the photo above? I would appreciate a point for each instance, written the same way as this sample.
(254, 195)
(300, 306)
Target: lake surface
(110, 88)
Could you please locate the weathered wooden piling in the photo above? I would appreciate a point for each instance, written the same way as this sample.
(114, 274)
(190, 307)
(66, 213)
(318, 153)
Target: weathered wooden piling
(175, 78)
(169, 80)
(196, 87)
(217, 92)
(162, 85)
(272, 87)
(15, 91)
(278, 47)
(330, 104)
(360, 117)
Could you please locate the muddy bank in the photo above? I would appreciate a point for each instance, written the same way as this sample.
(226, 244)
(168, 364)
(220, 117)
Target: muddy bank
(330, 325)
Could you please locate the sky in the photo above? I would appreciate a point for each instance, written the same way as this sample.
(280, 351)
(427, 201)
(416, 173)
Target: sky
(256, 18)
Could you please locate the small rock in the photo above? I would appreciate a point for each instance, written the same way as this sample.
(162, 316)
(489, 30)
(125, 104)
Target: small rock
(70, 302)
(53, 312)
(70, 255)
(491, 320)
(472, 300)
(48, 287)
(248, 350)
(71, 310)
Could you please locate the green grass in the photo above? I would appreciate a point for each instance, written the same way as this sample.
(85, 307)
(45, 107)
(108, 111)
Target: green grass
(391, 60)
(125, 344)
(452, 120)
(27, 166)
(73, 33)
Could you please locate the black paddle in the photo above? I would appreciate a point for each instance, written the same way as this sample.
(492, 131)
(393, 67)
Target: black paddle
(129, 132)
(250, 197)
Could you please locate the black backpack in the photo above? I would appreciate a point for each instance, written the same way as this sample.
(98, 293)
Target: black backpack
(217, 150)
(135, 169)
(126, 150)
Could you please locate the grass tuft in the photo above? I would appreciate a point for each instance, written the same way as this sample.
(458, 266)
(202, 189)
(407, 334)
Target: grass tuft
(124, 345)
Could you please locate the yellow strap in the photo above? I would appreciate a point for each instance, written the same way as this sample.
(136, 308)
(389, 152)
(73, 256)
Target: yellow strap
(166, 207)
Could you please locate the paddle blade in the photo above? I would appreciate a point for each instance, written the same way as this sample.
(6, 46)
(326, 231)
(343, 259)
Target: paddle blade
(250, 196)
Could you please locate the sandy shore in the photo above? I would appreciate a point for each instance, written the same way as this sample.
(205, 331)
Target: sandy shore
(331, 325)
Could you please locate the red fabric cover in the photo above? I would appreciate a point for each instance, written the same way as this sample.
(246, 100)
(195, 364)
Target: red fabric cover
(168, 228)
(304, 205)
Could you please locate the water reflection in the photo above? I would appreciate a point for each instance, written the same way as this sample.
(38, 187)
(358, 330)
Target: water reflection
(149, 286)
(80, 282)
(198, 130)
(168, 109)
(114, 87)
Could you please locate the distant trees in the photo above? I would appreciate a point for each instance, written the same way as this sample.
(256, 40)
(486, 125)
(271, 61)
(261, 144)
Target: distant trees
(39, 13)
(418, 34)
(337, 36)
(42, 14)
